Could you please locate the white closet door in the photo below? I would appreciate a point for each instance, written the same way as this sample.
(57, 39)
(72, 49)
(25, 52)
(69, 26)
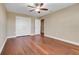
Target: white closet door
(23, 26)
(37, 26)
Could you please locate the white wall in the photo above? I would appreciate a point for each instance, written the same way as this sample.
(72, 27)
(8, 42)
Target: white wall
(32, 25)
(63, 24)
(2, 26)
(11, 24)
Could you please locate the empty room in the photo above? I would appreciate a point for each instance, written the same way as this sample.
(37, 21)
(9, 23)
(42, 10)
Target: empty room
(39, 29)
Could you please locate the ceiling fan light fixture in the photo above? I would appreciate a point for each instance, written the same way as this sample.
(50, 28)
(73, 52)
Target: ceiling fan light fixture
(37, 9)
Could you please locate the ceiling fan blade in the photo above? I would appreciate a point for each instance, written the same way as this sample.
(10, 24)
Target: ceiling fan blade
(31, 6)
(36, 4)
(41, 4)
(44, 9)
(31, 10)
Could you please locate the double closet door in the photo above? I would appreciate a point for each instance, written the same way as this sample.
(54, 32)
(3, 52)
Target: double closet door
(23, 26)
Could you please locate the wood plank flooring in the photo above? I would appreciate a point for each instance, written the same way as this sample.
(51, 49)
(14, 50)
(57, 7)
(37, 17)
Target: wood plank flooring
(38, 45)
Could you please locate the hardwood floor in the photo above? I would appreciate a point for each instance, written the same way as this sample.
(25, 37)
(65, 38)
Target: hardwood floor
(38, 45)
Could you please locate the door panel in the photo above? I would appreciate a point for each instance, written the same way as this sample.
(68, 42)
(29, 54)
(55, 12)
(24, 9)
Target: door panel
(37, 26)
(23, 26)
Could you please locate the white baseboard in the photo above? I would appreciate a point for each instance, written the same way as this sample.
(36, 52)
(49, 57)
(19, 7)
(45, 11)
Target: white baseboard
(19, 35)
(32, 34)
(3, 45)
(10, 36)
(75, 43)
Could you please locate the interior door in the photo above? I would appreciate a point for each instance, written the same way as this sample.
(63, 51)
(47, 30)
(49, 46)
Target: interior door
(37, 26)
(23, 26)
(42, 26)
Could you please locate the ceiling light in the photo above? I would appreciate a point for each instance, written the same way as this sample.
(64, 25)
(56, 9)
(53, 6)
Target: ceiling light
(37, 9)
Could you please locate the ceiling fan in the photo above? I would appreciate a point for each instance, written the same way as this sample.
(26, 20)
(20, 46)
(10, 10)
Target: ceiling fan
(37, 7)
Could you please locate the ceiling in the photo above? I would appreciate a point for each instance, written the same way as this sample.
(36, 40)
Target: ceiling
(23, 9)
